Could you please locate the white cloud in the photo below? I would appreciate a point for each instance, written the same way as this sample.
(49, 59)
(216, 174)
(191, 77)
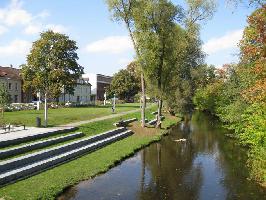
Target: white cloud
(3, 30)
(32, 29)
(112, 44)
(16, 47)
(228, 41)
(13, 14)
(43, 14)
(36, 28)
(56, 28)
(124, 61)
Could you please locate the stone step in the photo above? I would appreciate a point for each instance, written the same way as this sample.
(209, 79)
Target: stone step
(37, 145)
(39, 166)
(43, 154)
(19, 140)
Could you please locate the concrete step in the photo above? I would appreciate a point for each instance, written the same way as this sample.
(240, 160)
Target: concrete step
(37, 167)
(27, 138)
(43, 154)
(37, 145)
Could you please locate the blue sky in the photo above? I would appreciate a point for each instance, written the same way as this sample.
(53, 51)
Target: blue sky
(104, 46)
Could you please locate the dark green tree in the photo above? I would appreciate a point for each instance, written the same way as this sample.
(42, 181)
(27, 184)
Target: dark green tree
(126, 83)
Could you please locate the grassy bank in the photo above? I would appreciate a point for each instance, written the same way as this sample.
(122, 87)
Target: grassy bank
(65, 115)
(49, 184)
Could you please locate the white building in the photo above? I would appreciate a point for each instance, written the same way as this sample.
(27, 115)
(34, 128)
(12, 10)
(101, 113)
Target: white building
(82, 93)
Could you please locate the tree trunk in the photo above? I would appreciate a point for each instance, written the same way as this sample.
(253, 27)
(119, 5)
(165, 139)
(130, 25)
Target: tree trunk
(143, 100)
(3, 110)
(45, 111)
(160, 104)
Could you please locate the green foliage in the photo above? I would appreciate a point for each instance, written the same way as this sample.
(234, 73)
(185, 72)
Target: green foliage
(52, 65)
(257, 164)
(5, 98)
(254, 125)
(126, 83)
(237, 95)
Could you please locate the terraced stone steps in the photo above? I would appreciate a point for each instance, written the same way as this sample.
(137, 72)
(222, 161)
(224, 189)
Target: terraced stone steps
(21, 167)
(37, 145)
(19, 140)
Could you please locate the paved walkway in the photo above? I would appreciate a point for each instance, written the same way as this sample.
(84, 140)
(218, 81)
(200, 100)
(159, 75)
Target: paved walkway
(75, 124)
(29, 131)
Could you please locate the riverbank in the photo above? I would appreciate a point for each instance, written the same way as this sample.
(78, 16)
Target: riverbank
(49, 184)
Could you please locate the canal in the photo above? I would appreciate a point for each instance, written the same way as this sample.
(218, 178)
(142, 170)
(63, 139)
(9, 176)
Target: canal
(207, 165)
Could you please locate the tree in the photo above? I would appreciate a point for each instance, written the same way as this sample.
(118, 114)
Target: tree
(5, 98)
(189, 58)
(156, 29)
(51, 66)
(126, 83)
(124, 10)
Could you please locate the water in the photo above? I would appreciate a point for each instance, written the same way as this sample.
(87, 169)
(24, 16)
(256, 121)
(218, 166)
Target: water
(207, 166)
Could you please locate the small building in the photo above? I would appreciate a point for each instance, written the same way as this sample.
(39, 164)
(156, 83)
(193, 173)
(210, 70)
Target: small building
(10, 79)
(82, 93)
(99, 84)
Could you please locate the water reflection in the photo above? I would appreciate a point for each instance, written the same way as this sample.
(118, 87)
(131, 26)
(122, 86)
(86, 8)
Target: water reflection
(206, 166)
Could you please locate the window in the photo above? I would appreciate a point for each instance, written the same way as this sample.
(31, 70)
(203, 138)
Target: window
(16, 86)
(10, 86)
(16, 99)
(78, 99)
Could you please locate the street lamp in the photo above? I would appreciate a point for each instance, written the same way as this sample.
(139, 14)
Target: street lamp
(45, 100)
(114, 103)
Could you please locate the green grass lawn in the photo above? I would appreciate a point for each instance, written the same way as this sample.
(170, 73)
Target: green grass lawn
(49, 184)
(65, 115)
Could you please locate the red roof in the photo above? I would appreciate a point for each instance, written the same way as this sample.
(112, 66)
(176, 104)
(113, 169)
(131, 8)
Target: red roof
(10, 72)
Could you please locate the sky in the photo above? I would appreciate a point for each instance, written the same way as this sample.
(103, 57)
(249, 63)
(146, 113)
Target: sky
(104, 45)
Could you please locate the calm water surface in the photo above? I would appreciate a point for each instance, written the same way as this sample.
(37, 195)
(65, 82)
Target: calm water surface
(206, 166)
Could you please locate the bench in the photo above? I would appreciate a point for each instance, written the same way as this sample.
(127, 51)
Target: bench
(10, 128)
(124, 123)
(153, 122)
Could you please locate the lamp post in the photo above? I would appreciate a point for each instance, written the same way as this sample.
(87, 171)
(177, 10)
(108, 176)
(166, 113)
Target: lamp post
(104, 101)
(114, 103)
(39, 100)
(45, 100)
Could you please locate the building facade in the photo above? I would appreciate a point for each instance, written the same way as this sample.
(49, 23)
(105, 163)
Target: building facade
(82, 93)
(99, 84)
(11, 80)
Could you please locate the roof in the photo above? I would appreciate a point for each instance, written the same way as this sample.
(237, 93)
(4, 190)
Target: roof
(104, 76)
(10, 72)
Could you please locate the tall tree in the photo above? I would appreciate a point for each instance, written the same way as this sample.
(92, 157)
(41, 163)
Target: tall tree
(156, 29)
(51, 66)
(189, 57)
(123, 10)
